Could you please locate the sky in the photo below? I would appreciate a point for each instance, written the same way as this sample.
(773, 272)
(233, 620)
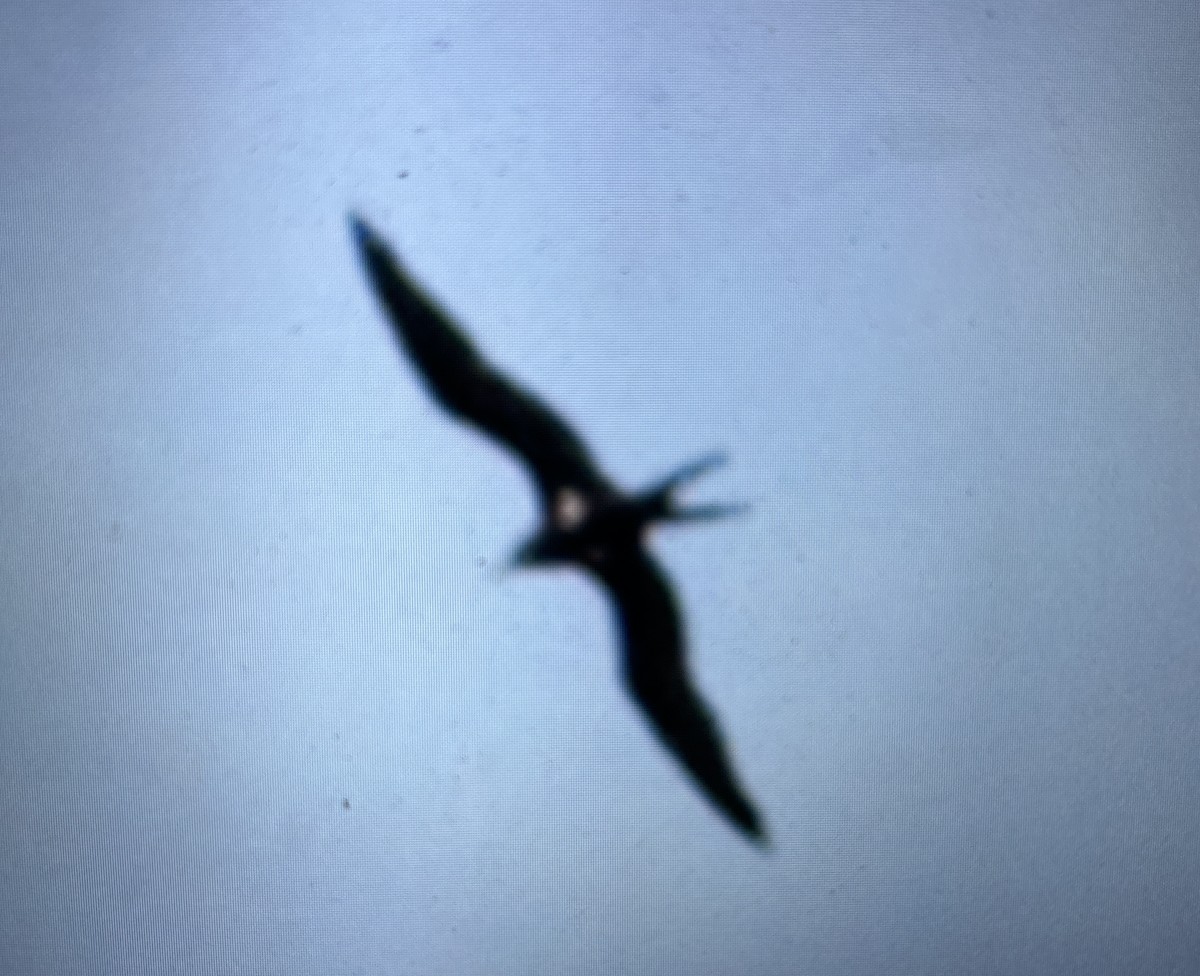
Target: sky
(928, 272)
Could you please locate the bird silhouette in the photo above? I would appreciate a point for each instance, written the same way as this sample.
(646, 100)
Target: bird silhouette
(587, 521)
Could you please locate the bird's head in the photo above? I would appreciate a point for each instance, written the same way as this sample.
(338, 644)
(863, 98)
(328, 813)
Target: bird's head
(544, 548)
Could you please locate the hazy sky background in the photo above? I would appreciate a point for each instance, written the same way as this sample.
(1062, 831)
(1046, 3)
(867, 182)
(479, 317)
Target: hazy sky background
(930, 272)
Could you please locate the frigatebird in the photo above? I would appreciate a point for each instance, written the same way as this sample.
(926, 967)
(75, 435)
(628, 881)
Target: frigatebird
(587, 521)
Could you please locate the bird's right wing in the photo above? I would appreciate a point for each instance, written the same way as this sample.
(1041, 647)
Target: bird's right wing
(473, 390)
(656, 675)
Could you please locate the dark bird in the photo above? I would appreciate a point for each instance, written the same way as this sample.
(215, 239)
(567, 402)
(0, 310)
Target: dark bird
(587, 521)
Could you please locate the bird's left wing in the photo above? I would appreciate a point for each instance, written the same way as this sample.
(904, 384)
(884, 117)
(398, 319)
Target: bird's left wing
(656, 675)
(473, 390)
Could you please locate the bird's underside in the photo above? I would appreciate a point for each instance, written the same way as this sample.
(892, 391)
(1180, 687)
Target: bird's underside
(587, 522)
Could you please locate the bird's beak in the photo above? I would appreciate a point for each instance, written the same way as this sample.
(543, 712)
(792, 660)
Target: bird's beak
(527, 554)
(498, 570)
(522, 558)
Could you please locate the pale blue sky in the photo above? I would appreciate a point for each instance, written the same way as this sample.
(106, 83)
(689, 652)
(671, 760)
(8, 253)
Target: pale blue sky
(929, 272)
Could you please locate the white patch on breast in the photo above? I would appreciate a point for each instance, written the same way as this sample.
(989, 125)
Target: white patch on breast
(570, 509)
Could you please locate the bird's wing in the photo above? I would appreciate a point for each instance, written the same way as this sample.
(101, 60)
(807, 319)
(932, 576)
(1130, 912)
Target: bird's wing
(656, 675)
(473, 390)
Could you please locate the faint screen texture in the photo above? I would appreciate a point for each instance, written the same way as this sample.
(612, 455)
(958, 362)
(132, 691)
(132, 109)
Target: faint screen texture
(928, 272)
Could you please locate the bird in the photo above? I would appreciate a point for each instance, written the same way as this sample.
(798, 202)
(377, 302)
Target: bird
(587, 521)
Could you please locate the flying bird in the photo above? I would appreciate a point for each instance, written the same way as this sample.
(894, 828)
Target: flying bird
(588, 522)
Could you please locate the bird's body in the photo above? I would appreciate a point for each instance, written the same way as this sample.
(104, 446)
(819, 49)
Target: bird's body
(586, 521)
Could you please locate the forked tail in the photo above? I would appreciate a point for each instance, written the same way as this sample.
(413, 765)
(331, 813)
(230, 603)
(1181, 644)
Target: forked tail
(661, 505)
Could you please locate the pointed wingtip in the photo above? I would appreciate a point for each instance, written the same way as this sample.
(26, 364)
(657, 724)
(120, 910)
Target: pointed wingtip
(752, 828)
(760, 839)
(367, 238)
(364, 237)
